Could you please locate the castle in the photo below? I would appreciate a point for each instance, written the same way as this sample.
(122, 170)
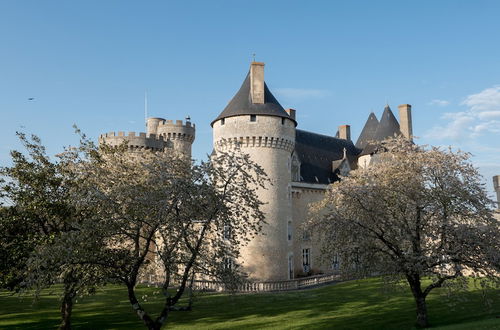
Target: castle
(300, 164)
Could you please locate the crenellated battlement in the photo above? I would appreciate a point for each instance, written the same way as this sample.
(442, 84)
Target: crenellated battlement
(170, 130)
(161, 135)
(255, 142)
(130, 135)
(135, 141)
(178, 123)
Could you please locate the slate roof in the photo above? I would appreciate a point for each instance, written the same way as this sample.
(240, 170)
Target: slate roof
(316, 153)
(368, 132)
(241, 104)
(387, 127)
(337, 163)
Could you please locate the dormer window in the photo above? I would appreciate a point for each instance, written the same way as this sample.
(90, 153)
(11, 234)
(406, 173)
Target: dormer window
(253, 117)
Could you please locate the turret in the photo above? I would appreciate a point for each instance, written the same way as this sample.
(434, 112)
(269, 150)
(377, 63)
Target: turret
(257, 124)
(180, 135)
(378, 131)
(152, 124)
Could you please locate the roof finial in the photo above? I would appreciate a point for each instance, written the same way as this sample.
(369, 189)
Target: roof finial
(253, 55)
(387, 105)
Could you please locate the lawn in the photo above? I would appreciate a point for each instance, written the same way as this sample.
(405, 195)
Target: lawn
(348, 305)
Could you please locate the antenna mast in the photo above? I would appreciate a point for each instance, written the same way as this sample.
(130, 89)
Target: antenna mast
(146, 108)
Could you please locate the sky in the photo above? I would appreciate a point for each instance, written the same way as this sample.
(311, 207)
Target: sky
(90, 62)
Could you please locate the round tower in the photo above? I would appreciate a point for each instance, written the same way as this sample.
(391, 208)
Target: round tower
(255, 122)
(179, 135)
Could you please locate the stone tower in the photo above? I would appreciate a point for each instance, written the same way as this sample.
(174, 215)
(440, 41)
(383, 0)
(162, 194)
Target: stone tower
(178, 135)
(161, 135)
(255, 122)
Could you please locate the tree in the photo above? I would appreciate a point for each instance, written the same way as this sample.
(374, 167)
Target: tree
(415, 214)
(36, 215)
(160, 217)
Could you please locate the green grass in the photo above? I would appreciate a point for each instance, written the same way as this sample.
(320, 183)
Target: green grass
(348, 305)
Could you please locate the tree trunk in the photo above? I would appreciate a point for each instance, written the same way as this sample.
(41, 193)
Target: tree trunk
(418, 294)
(141, 313)
(66, 309)
(422, 320)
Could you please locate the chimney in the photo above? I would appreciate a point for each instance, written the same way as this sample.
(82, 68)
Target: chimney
(496, 185)
(291, 113)
(345, 132)
(405, 124)
(257, 82)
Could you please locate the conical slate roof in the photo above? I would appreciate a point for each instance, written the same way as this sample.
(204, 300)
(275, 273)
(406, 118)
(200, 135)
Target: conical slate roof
(387, 127)
(241, 104)
(368, 132)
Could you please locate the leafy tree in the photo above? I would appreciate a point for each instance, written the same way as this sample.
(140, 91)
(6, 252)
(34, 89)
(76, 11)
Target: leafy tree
(37, 213)
(416, 214)
(161, 218)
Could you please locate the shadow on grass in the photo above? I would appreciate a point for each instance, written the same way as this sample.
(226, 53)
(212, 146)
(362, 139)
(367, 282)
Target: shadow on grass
(348, 305)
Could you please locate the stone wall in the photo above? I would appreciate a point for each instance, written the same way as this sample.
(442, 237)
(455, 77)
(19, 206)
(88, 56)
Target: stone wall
(180, 135)
(303, 195)
(135, 141)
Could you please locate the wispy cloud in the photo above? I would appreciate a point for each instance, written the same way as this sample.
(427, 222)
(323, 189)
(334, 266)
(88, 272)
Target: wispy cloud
(440, 103)
(300, 94)
(482, 116)
(486, 100)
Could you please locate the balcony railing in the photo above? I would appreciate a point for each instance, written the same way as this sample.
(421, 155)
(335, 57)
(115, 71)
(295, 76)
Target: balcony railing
(270, 286)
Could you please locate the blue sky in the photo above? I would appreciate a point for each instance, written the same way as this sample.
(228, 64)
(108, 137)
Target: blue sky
(89, 63)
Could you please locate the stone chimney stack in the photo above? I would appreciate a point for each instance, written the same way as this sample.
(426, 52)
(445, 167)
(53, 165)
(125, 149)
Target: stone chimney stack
(405, 124)
(345, 132)
(291, 113)
(257, 82)
(496, 185)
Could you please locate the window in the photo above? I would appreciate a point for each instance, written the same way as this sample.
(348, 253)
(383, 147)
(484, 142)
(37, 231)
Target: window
(227, 263)
(335, 262)
(226, 232)
(253, 117)
(306, 235)
(289, 230)
(290, 266)
(282, 121)
(356, 258)
(306, 259)
(222, 121)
